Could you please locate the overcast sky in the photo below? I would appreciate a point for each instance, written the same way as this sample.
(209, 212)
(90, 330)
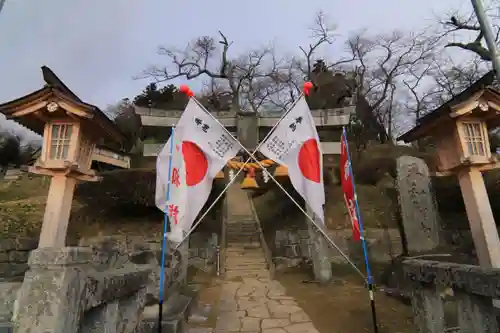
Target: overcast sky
(97, 46)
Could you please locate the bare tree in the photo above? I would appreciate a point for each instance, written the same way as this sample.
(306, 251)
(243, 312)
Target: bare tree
(466, 27)
(382, 64)
(287, 82)
(246, 77)
(452, 78)
(418, 101)
(434, 84)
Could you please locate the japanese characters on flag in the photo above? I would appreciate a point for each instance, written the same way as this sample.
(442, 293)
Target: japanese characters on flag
(175, 207)
(295, 144)
(347, 182)
(204, 147)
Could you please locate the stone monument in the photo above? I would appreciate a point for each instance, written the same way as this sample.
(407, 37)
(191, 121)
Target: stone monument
(417, 204)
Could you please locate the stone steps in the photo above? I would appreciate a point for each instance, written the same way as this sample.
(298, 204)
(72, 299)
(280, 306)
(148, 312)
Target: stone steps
(249, 267)
(242, 240)
(240, 273)
(237, 253)
(243, 220)
(241, 228)
(236, 260)
(255, 244)
(242, 231)
(244, 257)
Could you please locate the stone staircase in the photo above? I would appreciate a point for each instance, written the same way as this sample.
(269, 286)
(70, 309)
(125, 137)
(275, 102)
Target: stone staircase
(250, 300)
(244, 256)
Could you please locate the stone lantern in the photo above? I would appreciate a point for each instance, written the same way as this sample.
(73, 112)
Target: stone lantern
(70, 129)
(459, 129)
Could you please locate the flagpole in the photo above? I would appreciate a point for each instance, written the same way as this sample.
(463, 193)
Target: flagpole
(323, 232)
(363, 240)
(165, 229)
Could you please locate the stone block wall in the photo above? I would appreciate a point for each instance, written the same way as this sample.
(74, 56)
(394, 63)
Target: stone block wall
(80, 289)
(106, 266)
(203, 250)
(14, 257)
(292, 247)
(141, 251)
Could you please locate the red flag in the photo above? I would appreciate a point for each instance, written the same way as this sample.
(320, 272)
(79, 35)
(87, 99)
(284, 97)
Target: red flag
(348, 186)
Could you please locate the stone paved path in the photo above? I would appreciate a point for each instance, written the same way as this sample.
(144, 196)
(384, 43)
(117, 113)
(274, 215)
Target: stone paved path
(250, 301)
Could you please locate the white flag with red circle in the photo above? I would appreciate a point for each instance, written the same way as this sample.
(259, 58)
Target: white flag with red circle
(295, 144)
(172, 199)
(205, 147)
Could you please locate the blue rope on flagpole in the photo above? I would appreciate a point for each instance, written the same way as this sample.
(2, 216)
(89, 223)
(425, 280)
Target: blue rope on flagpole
(165, 229)
(362, 236)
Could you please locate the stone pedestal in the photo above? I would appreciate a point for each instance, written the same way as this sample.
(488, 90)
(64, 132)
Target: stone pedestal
(76, 289)
(319, 251)
(50, 298)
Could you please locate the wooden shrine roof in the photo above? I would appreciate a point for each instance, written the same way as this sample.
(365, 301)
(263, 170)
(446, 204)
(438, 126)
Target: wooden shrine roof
(427, 122)
(54, 87)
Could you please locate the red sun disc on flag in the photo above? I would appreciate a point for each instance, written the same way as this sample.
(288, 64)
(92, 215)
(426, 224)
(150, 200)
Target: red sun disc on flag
(196, 163)
(309, 160)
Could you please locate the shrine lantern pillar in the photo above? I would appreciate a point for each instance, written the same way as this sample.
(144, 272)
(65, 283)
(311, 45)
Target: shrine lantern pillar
(70, 128)
(460, 130)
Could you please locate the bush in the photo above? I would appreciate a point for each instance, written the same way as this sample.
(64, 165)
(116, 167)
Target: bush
(119, 187)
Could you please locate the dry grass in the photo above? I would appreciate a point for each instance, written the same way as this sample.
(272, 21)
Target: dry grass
(343, 306)
(22, 205)
(376, 207)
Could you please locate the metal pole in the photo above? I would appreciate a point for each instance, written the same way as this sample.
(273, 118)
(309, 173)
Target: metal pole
(489, 37)
(2, 2)
(164, 236)
(217, 252)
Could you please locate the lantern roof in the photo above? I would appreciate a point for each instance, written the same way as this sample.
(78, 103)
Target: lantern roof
(465, 103)
(31, 110)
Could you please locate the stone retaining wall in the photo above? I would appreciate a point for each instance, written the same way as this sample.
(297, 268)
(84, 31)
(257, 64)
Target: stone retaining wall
(80, 289)
(14, 257)
(113, 261)
(203, 250)
(291, 247)
(144, 252)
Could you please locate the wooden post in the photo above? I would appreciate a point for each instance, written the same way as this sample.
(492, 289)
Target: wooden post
(57, 211)
(481, 220)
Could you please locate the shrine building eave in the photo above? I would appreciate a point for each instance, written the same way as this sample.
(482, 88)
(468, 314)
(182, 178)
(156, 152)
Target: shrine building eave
(463, 104)
(31, 110)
